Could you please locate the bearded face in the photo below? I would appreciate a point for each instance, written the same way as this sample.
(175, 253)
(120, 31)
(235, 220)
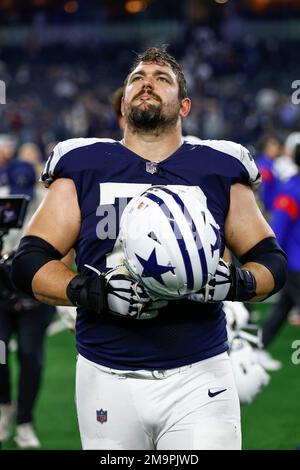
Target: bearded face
(151, 117)
(151, 102)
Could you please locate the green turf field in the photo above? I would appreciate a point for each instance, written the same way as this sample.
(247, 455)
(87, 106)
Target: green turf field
(55, 413)
(271, 422)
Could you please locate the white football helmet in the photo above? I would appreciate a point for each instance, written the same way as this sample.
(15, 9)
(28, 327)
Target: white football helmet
(250, 377)
(237, 317)
(170, 239)
(68, 316)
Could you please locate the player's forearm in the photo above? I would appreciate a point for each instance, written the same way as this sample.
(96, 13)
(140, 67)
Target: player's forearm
(50, 283)
(264, 280)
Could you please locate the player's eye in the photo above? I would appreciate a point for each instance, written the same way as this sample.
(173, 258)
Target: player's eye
(136, 78)
(162, 78)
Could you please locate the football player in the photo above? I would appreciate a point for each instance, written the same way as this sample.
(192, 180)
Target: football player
(165, 381)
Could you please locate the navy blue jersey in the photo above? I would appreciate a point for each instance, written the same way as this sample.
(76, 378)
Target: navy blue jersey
(107, 175)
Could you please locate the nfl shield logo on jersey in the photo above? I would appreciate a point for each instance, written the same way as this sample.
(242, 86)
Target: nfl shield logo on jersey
(101, 416)
(151, 167)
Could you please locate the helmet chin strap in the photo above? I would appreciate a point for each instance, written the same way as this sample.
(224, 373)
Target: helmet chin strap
(93, 269)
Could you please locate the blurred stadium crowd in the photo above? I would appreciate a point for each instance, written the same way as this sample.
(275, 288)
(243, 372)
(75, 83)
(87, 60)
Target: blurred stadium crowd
(60, 92)
(240, 89)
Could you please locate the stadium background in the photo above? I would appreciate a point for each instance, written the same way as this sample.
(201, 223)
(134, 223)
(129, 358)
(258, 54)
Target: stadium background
(61, 62)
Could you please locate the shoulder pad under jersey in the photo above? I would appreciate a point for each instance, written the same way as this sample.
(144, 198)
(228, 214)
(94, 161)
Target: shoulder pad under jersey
(60, 150)
(233, 149)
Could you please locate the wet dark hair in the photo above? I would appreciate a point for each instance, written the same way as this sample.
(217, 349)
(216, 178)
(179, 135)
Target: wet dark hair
(160, 55)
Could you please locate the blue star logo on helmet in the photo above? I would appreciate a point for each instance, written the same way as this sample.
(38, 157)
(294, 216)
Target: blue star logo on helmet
(151, 268)
(176, 245)
(216, 246)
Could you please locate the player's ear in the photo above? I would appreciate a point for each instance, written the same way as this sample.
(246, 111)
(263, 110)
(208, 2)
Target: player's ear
(122, 105)
(185, 107)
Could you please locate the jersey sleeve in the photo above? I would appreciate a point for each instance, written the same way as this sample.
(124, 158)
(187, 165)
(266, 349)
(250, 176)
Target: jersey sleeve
(60, 163)
(253, 174)
(50, 171)
(249, 172)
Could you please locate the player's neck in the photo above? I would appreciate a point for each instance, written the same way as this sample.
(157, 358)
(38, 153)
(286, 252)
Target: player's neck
(152, 147)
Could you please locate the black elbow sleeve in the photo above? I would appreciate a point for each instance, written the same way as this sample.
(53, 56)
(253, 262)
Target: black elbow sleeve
(269, 253)
(32, 253)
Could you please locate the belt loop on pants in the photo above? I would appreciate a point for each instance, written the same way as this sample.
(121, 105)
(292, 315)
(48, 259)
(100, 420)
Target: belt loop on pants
(159, 374)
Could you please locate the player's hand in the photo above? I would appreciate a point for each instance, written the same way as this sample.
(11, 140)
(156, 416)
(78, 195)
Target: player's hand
(128, 298)
(217, 288)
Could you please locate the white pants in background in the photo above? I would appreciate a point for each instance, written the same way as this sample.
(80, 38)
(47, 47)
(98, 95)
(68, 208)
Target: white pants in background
(192, 407)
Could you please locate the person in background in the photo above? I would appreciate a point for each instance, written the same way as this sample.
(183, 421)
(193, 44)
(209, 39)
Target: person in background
(285, 222)
(20, 315)
(7, 149)
(284, 166)
(270, 151)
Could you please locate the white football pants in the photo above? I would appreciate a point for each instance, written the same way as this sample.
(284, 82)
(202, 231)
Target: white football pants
(189, 408)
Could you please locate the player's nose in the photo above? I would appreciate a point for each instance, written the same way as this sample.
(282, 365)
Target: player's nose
(148, 83)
